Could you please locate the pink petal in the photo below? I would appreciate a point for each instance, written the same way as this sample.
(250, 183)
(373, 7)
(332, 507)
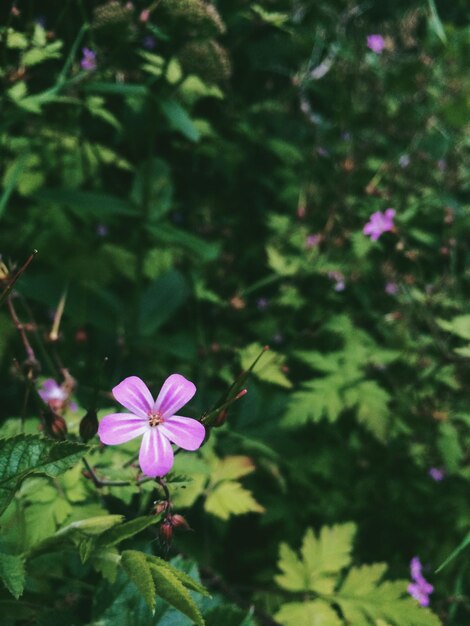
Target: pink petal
(134, 394)
(175, 393)
(156, 453)
(121, 427)
(184, 431)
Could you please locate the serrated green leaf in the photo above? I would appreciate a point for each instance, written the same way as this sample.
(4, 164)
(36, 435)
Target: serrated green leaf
(24, 455)
(231, 468)
(315, 613)
(322, 558)
(270, 368)
(187, 581)
(364, 599)
(230, 498)
(139, 571)
(459, 325)
(12, 573)
(171, 589)
(372, 408)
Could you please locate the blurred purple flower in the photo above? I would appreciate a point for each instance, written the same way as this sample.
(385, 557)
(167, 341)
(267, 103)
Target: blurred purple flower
(340, 283)
(102, 230)
(404, 160)
(436, 474)
(149, 42)
(376, 43)
(262, 304)
(391, 288)
(346, 136)
(379, 223)
(312, 241)
(88, 61)
(419, 589)
(323, 152)
(51, 392)
(155, 420)
(442, 165)
(278, 338)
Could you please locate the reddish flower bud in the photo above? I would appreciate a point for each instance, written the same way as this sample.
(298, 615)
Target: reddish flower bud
(166, 532)
(160, 507)
(178, 521)
(54, 424)
(89, 425)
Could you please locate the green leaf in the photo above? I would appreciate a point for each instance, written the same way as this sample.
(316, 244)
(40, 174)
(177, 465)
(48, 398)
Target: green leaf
(372, 407)
(231, 468)
(281, 264)
(462, 545)
(171, 589)
(179, 119)
(161, 300)
(124, 531)
(24, 455)
(12, 573)
(363, 599)
(459, 325)
(230, 498)
(322, 558)
(139, 571)
(87, 204)
(270, 369)
(187, 581)
(314, 613)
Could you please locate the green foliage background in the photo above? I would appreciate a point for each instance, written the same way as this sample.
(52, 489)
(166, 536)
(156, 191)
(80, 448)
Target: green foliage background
(171, 192)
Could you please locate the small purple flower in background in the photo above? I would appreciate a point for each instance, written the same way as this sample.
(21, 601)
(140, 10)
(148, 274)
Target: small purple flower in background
(312, 241)
(436, 474)
(323, 152)
(149, 42)
(155, 420)
(391, 288)
(379, 223)
(346, 136)
(376, 43)
(442, 165)
(404, 160)
(419, 589)
(262, 304)
(144, 16)
(102, 230)
(52, 393)
(88, 61)
(340, 283)
(278, 338)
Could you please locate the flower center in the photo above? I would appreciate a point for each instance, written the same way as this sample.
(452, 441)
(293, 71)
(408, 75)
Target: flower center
(155, 418)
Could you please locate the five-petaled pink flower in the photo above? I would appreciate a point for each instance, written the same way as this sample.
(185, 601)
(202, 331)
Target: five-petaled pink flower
(379, 223)
(419, 589)
(376, 43)
(155, 420)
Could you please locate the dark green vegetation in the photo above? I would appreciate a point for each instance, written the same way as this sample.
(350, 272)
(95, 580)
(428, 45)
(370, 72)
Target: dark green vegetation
(196, 186)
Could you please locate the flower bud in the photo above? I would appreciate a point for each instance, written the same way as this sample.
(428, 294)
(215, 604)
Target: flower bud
(54, 424)
(160, 507)
(89, 425)
(166, 532)
(178, 521)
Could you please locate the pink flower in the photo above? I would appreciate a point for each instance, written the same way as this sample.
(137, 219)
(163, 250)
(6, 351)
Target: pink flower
(155, 420)
(379, 223)
(419, 589)
(391, 288)
(88, 61)
(312, 241)
(52, 393)
(436, 474)
(376, 43)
